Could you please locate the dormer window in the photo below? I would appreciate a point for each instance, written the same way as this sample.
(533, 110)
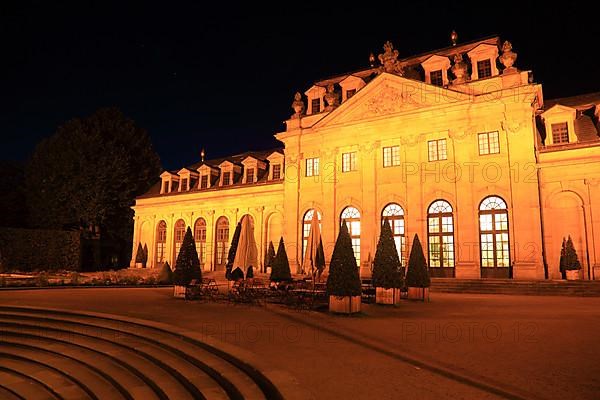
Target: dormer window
(226, 178)
(184, 185)
(250, 175)
(276, 172)
(204, 182)
(166, 187)
(560, 133)
(350, 93)
(316, 106)
(436, 78)
(484, 68)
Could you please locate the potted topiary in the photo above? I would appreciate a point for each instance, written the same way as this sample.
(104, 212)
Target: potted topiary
(569, 262)
(269, 257)
(343, 282)
(139, 256)
(280, 270)
(187, 266)
(387, 278)
(232, 250)
(417, 275)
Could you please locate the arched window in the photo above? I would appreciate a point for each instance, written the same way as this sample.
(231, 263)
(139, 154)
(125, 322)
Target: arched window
(352, 217)
(161, 242)
(440, 234)
(308, 216)
(179, 234)
(395, 214)
(221, 242)
(200, 239)
(493, 233)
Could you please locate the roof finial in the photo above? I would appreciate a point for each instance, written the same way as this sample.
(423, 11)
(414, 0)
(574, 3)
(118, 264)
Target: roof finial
(454, 37)
(372, 59)
(202, 154)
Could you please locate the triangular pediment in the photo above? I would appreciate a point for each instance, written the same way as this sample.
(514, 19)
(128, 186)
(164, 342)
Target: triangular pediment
(558, 109)
(388, 95)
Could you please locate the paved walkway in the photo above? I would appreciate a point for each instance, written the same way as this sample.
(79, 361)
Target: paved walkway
(456, 346)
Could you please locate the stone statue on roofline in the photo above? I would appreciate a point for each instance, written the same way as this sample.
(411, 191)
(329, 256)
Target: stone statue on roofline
(459, 69)
(298, 105)
(389, 60)
(332, 98)
(508, 58)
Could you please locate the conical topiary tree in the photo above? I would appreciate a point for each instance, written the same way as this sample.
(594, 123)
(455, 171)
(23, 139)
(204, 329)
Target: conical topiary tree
(563, 254)
(270, 255)
(145, 260)
(139, 254)
(320, 259)
(386, 265)
(232, 250)
(187, 266)
(417, 274)
(280, 270)
(570, 261)
(343, 279)
(165, 276)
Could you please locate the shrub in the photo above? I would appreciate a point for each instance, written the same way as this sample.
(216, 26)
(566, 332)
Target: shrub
(417, 274)
(568, 256)
(270, 255)
(232, 250)
(139, 255)
(187, 266)
(145, 260)
(280, 270)
(42, 279)
(386, 265)
(250, 272)
(343, 279)
(165, 277)
(74, 278)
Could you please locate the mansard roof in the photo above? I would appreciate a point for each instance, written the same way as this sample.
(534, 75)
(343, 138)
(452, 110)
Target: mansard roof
(413, 62)
(236, 159)
(583, 101)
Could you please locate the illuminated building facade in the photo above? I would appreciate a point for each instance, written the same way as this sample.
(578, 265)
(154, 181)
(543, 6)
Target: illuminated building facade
(455, 145)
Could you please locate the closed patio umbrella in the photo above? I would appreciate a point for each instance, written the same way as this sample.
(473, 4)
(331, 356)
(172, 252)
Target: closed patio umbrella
(246, 254)
(314, 260)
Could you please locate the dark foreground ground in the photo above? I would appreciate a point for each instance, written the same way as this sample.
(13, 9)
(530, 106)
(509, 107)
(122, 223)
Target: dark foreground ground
(456, 346)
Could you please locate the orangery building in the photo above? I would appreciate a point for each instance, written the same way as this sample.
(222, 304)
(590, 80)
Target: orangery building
(456, 145)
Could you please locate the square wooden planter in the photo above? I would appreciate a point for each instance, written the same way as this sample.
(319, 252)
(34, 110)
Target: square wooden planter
(573, 274)
(387, 296)
(344, 305)
(417, 293)
(179, 292)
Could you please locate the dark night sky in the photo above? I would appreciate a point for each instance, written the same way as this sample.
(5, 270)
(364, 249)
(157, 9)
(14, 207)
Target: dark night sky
(223, 76)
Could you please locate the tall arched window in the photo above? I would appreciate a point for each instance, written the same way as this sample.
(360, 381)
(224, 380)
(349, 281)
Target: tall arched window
(221, 242)
(306, 227)
(161, 242)
(352, 217)
(179, 234)
(440, 235)
(200, 239)
(395, 214)
(493, 236)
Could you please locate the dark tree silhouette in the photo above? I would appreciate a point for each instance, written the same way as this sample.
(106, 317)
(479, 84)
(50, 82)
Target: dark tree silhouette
(270, 255)
(280, 270)
(88, 174)
(343, 279)
(12, 195)
(568, 256)
(386, 265)
(187, 266)
(145, 260)
(139, 254)
(165, 276)
(417, 274)
(232, 250)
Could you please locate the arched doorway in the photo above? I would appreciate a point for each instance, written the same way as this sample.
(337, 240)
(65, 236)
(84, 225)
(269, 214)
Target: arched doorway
(440, 239)
(564, 217)
(494, 241)
(179, 233)
(395, 215)
(200, 239)
(352, 217)
(161, 243)
(221, 243)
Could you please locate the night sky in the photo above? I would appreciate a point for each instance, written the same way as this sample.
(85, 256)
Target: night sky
(222, 76)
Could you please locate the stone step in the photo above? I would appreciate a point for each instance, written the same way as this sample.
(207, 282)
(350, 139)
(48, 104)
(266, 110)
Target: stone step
(509, 286)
